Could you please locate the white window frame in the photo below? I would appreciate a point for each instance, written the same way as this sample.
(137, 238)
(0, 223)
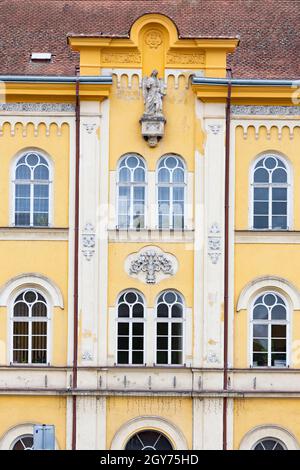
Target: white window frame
(13, 189)
(11, 326)
(130, 320)
(171, 186)
(169, 320)
(131, 185)
(289, 186)
(269, 323)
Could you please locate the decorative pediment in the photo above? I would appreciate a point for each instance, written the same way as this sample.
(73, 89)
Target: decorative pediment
(151, 265)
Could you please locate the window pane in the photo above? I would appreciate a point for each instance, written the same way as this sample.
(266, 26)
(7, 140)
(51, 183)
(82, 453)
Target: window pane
(279, 194)
(40, 205)
(123, 310)
(123, 328)
(41, 172)
(278, 360)
(163, 193)
(176, 311)
(260, 345)
(20, 342)
(261, 222)
(279, 208)
(20, 357)
(39, 357)
(260, 312)
(176, 343)
(176, 357)
(139, 174)
(39, 309)
(123, 357)
(260, 360)
(39, 342)
(162, 328)
(162, 310)
(162, 357)
(261, 194)
(178, 175)
(278, 331)
(278, 345)
(138, 310)
(178, 194)
(163, 175)
(176, 329)
(22, 190)
(261, 208)
(279, 222)
(20, 328)
(40, 220)
(22, 205)
(137, 328)
(137, 357)
(278, 312)
(279, 176)
(41, 190)
(39, 328)
(123, 343)
(138, 343)
(23, 172)
(21, 309)
(162, 343)
(260, 331)
(22, 219)
(261, 175)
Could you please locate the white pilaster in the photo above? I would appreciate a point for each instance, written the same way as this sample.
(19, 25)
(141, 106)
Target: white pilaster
(91, 423)
(88, 247)
(214, 167)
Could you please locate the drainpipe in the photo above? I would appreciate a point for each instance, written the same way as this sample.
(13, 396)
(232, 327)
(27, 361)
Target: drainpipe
(76, 246)
(226, 255)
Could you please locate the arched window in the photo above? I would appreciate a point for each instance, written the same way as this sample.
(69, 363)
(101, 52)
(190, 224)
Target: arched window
(148, 440)
(171, 192)
(169, 328)
(269, 331)
(23, 443)
(131, 192)
(269, 444)
(270, 193)
(130, 325)
(32, 184)
(30, 328)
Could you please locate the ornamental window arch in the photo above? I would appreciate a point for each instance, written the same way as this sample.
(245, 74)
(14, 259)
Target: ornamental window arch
(32, 171)
(271, 205)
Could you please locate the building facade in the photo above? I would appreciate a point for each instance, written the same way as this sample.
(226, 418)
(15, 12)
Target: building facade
(149, 282)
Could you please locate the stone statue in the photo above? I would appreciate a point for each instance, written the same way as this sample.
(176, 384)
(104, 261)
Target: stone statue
(153, 91)
(153, 120)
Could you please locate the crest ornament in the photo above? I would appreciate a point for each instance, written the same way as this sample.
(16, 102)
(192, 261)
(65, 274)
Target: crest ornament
(153, 39)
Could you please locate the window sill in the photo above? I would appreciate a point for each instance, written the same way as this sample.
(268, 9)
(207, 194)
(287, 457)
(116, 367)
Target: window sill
(146, 235)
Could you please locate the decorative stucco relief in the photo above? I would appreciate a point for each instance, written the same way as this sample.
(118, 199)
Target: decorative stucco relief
(150, 265)
(37, 107)
(88, 241)
(214, 243)
(267, 110)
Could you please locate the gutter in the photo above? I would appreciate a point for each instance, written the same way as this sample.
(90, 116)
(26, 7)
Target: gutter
(76, 247)
(88, 80)
(226, 253)
(243, 82)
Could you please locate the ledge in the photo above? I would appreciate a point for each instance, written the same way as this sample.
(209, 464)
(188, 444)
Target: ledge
(150, 235)
(33, 233)
(267, 236)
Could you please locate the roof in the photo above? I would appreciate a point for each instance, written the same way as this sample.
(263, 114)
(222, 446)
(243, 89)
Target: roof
(268, 29)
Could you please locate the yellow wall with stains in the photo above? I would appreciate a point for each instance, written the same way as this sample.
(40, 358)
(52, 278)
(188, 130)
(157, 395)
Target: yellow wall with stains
(177, 411)
(252, 412)
(34, 409)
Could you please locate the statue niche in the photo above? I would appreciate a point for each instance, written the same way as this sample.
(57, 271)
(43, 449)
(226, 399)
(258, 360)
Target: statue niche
(153, 120)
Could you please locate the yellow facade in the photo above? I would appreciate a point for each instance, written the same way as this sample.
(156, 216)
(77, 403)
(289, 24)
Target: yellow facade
(183, 399)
